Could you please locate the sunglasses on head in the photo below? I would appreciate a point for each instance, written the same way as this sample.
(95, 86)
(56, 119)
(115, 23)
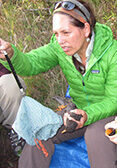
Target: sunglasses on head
(65, 4)
(69, 5)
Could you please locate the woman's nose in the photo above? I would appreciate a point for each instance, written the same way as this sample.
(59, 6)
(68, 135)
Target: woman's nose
(60, 39)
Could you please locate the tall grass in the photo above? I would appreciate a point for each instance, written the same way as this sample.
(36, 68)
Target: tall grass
(27, 24)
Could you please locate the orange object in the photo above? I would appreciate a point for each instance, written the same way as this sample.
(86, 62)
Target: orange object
(63, 131)
(61, 107)
(41, 147)
(109, 131)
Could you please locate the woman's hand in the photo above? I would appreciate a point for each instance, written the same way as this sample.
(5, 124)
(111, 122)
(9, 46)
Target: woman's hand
(112, 125)
(78, 112)
(5, 46)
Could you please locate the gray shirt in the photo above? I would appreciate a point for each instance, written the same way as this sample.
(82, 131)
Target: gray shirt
(88, 54)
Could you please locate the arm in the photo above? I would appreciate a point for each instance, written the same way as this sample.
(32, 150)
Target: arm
(36, 61)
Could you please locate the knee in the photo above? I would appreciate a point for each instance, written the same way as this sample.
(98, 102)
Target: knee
(10, 98)
(9, 88)
(96, 129)
(10, 95)
(90, 131)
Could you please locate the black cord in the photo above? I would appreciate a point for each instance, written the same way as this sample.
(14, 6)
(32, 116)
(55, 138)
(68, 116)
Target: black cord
(13, 70)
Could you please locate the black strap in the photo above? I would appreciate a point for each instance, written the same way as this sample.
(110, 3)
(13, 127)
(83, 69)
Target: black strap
(13, 70)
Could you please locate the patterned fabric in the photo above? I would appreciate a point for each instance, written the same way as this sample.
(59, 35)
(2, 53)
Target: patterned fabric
(36, 121)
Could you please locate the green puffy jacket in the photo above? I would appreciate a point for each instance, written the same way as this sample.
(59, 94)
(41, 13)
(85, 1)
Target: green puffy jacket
(96, 91)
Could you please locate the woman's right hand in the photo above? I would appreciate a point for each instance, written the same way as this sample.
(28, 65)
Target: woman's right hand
(82, 120)
(5, 46)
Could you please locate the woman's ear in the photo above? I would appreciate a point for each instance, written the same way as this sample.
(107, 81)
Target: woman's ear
(87, 29)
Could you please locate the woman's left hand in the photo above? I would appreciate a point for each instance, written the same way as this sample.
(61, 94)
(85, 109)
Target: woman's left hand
(76, 111)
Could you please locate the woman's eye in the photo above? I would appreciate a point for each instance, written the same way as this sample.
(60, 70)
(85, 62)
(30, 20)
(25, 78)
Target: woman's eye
(66, 32)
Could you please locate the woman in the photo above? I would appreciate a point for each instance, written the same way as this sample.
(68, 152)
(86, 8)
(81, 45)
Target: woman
(87, 55)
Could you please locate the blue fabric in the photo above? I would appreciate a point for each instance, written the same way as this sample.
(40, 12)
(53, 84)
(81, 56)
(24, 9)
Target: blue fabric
(36, 121)
(67, 93)
(70, 154)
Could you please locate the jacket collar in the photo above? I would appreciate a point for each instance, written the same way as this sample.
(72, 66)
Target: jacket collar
(102, 42)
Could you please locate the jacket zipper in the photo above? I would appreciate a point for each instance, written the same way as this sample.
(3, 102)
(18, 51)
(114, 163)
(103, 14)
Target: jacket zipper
(83, 82)
(83, 77)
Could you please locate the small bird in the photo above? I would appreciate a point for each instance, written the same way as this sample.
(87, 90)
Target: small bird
(70, 124)
(66, 105)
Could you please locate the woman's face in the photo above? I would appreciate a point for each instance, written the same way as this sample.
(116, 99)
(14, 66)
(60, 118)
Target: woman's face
(72, 39)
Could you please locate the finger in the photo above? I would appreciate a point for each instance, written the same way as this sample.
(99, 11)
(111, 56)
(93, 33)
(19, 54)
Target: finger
(78, 111)
(65, 117)
(82, 120)
(80, 125)
(9, 51)
(8, 48)
(2, 49)
(75, 111)
(4, 45)
(2, 56)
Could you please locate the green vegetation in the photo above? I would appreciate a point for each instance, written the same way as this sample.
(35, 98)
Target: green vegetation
(27, 24)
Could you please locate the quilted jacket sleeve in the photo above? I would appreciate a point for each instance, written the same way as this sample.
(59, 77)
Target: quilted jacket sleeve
(36, 61)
